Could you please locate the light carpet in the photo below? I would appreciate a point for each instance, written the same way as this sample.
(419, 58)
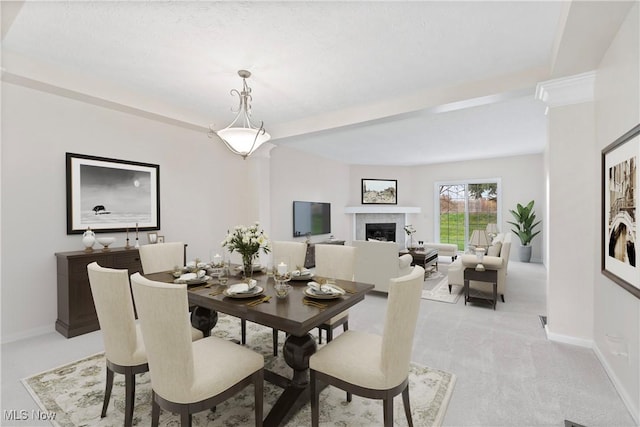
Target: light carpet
(436, 287)
(74, 394)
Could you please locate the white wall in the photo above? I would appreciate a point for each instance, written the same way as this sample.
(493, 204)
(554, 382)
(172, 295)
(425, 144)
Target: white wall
(299, 176)
(573, 180)
(200, 186)
(616, 312)
(522, 180)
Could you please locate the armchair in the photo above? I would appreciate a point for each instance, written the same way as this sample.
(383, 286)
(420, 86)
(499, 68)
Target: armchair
(497, 258)
(378, 262)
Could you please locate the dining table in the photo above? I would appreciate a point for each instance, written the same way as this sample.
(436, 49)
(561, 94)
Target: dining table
(296, 315)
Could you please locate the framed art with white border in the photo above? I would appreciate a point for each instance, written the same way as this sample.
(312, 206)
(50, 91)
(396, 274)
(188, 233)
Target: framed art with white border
(111, 195)
(620, 211)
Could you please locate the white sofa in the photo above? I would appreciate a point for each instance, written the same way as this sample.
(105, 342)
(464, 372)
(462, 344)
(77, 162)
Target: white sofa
(377, 262)
(496, 259)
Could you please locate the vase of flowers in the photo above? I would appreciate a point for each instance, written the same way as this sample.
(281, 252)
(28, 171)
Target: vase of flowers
(410, 230)
(247, 241)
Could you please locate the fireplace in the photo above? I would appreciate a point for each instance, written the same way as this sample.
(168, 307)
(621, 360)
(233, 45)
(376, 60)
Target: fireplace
(384, 231)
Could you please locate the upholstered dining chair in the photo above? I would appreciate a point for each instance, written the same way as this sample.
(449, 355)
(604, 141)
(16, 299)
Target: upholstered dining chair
(373, 366)
(187, 377)
(123, 345)
(161, 256)
(337, 262)
(294, 255)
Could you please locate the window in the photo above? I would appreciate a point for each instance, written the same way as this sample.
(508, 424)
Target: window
(464, 206)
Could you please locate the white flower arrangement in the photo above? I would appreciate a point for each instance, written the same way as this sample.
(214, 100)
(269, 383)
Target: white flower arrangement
(409, 229)
(247, 241)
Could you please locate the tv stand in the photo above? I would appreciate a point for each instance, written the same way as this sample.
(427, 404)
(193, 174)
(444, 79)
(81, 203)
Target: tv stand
(310, 260)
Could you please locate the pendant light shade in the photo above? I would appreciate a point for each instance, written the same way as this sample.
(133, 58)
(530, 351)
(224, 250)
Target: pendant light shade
(242, 137)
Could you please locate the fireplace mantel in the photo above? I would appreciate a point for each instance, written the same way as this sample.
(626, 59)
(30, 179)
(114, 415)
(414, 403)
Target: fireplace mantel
(382, 209)
(376, 213)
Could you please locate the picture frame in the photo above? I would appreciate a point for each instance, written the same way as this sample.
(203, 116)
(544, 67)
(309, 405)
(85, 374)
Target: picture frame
(160, 239)
(111, 195)
(379, 191)
(620, 184)
(153, 237)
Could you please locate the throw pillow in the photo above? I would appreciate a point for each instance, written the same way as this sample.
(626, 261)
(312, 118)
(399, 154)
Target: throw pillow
(494, 250)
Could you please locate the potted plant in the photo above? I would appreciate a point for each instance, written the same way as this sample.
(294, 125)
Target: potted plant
(525, 223)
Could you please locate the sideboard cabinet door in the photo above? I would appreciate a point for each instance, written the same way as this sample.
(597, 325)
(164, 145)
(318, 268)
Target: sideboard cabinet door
(76, 312)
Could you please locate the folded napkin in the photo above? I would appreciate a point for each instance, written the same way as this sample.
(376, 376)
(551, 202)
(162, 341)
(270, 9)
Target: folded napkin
(188, 276)
(327, 289)
(240, 288)
(303, 272)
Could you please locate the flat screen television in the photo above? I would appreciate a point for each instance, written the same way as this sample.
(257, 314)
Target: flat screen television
(311, 218)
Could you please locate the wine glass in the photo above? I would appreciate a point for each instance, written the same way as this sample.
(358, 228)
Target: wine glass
(223, 278)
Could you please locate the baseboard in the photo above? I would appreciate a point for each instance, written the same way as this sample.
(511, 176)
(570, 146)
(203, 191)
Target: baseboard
(581, 342)
(626, 399)
(27, 334)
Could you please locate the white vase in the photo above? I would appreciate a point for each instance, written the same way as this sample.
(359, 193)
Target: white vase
(88, 240)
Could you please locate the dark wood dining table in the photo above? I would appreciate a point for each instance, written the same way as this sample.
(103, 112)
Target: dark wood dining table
(289, 314)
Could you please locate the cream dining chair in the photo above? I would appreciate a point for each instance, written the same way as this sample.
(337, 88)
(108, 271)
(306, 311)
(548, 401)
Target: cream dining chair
(291, 253)
(187, 377)
(337, 262)
(123, 345)
(159, 257)
(373, 366)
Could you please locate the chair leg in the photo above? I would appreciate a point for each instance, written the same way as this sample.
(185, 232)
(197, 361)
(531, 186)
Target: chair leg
(275, 342)
(130, 393)
(243, 331)
(315, 400)
(107, 392)
(185, 416)
(155, 410)
(502, 296)
(329, 334)
(319, 335)
(345, 327)
(449, 288)
(387, 405)
(258, 386)
(407, 405)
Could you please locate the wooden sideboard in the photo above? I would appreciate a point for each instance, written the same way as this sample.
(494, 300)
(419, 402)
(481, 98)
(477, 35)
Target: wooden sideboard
(76, 312)
(310, 259)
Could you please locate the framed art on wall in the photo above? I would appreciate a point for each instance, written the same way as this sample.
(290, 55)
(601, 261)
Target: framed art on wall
(379, 191)
(111, 195)
(620, 211)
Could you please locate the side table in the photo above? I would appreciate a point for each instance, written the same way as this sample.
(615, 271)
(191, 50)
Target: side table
(489, 276)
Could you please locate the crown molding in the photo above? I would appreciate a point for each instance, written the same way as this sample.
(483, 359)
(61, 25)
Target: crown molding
(570, 90)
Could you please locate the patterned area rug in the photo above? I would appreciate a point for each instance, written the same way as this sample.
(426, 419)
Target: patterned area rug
(74, 392)
(436, 287)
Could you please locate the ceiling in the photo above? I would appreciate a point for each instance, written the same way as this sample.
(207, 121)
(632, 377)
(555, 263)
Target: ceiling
(379, 83)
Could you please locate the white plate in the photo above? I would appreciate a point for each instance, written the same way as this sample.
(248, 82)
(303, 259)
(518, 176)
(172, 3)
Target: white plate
(312, 294)
(256, 290)
(196, 281)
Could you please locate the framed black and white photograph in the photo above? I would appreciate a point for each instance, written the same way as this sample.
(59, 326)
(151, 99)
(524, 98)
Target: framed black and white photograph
(153, 237)
(379, 191)
(160, 239)
(620, 211)
(111, 195)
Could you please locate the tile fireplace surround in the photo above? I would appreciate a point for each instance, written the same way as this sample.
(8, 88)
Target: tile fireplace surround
(380, 214)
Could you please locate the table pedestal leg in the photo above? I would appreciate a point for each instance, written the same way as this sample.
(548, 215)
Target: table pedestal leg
(204, 320)
(297, 351)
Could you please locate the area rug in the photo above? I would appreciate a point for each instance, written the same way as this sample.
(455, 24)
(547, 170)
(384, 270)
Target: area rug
(73, 394)
(436, 287)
